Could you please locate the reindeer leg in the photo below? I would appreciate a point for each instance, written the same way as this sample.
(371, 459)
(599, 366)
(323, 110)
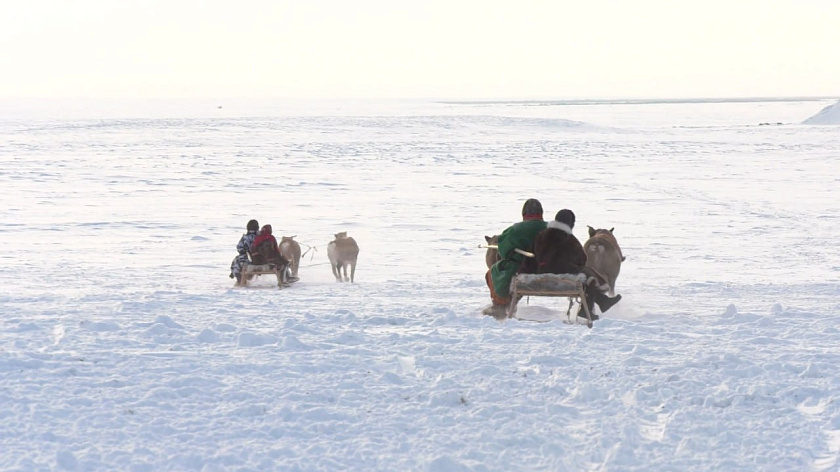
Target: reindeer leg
(569, 311)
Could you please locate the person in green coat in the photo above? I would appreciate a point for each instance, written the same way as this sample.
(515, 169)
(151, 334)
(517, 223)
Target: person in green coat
(519, 236)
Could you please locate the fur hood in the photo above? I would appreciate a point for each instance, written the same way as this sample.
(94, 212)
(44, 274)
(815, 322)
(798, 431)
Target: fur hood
(554, 224)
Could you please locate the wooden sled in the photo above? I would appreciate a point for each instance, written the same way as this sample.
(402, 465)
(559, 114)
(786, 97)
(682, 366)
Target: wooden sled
(550, 285)
(251, 270)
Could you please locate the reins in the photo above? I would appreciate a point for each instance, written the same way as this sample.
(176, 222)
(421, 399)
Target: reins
(309, 248)
(314, 250)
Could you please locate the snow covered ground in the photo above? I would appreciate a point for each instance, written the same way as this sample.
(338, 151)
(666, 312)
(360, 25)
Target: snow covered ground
(124, 346)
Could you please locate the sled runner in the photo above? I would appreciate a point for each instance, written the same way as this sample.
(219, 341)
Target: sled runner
(550, 285)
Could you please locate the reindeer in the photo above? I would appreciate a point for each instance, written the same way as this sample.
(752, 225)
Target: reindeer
(492, 255)
(603, 255)
(343, 251)
(290, 249)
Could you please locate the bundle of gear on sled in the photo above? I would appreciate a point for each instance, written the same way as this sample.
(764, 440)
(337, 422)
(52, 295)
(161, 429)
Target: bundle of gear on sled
(539, 258)
(260, 254)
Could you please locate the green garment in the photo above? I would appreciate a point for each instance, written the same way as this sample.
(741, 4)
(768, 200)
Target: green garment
(521, 235)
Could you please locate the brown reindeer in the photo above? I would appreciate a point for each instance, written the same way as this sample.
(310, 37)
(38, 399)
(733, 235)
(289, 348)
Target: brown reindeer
(492, 255)
(343, 251)
(603, 255)
(290, 249)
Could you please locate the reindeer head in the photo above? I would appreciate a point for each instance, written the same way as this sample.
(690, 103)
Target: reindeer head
(593, 231)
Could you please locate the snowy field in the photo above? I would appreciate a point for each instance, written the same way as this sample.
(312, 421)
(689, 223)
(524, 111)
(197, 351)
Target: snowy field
(125, 346)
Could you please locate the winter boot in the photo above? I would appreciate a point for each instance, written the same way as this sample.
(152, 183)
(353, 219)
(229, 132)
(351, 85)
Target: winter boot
(605, 303)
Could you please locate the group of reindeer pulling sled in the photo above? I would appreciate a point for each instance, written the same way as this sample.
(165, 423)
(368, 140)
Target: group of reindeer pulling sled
(259, 253)
(538, 258)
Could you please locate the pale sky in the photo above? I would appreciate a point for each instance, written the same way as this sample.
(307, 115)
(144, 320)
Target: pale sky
(420, 48)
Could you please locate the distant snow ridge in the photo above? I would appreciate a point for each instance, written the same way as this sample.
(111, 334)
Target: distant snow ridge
(829, 115)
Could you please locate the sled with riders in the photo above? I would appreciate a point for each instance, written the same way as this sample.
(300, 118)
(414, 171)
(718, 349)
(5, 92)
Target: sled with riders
(260, 254)
(534, 258)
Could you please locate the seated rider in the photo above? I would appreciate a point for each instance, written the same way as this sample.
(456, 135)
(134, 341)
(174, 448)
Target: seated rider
(518, 236)
(243, 247)
(558, 251)
(264, 250)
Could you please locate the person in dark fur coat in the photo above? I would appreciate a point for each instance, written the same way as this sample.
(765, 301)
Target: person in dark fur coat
(558, 251)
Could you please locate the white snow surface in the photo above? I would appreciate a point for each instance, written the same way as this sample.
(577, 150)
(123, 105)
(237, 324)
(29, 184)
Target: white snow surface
(125, 346)
(829, 115)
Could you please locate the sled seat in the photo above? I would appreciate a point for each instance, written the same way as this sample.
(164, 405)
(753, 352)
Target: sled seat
(570, 286)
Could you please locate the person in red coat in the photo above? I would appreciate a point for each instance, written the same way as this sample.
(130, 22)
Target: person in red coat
(558, 251)
(264, 249)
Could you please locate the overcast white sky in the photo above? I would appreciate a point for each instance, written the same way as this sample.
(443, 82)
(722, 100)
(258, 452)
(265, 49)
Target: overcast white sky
(420, 48)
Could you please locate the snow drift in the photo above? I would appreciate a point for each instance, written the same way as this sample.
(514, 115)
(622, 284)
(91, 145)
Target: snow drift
(829, 115)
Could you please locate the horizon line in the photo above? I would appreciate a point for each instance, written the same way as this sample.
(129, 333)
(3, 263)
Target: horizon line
(470, 101)
(638, 101)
